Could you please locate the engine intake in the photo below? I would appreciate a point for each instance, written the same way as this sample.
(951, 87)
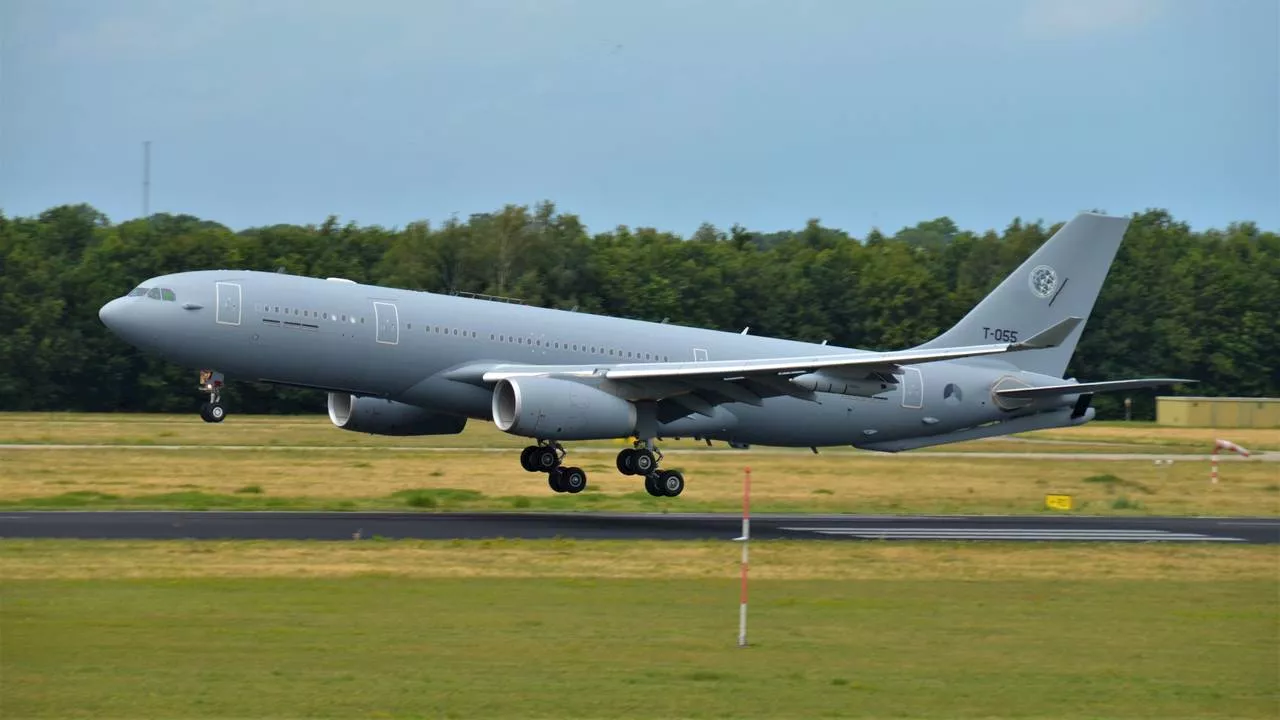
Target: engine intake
(387, 417)
(555, 409)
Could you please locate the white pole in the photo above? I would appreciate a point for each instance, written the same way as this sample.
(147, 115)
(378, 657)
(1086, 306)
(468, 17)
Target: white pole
(746, 545)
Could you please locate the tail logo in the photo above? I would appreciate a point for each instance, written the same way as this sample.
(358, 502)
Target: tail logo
(1043, 280)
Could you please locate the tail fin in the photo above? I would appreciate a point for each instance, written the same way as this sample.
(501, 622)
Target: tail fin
(1060, 280)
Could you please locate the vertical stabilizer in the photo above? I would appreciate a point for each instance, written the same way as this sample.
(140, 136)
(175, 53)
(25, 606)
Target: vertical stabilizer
(1060, 280)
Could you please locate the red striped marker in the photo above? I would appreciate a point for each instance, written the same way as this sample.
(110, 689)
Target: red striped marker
(1218, 446)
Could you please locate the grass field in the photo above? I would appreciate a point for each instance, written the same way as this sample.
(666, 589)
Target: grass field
(478, 470)
(316, 431)
(591, 629)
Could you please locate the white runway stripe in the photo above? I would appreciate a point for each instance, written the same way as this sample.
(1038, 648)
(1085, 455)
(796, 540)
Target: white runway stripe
(1103, 535)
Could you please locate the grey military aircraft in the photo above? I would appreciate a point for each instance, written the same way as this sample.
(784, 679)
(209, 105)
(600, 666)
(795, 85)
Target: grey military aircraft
(401, 362)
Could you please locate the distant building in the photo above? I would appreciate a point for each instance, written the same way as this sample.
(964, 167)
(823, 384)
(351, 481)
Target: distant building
(1218, 412)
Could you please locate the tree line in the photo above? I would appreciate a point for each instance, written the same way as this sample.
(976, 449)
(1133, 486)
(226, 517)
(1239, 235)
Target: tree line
(1196, 304)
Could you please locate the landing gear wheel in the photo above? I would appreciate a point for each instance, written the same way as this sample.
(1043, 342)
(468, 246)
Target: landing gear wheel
(643, 461)
(553, 480)
(525, 458)
(572, 480)
(651, 485)
(211, 384)
(544, 458)
(671, 482)
(626, 459)
(213, 412)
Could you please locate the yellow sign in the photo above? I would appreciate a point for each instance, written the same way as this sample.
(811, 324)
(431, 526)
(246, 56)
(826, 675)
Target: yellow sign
(1057, 502)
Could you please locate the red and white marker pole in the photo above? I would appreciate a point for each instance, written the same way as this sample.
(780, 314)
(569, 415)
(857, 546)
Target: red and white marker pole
(1218, 446)
(746, 546)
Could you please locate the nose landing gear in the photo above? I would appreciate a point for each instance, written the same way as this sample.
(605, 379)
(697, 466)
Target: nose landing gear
(211, 383)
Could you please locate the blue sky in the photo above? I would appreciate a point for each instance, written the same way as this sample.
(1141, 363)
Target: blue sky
(652, 112)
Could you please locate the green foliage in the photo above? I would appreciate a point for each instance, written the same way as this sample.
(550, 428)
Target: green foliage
(1111, 482)
(1177, 302)
(436, 497)
(1125, 503)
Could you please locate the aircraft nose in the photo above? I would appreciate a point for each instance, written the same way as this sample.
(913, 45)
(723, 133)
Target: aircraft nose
(116, 316)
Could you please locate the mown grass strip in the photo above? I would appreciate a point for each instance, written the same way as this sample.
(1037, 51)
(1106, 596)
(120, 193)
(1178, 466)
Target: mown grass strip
(395, 646)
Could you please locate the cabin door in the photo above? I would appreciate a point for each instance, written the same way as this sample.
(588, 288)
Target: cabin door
(228, 296)
(388, 319)
(912, 388)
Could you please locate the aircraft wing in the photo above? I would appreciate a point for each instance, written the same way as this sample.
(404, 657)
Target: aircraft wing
(658, 380)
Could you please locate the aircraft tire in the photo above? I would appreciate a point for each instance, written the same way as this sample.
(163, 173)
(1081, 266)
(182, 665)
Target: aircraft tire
(553, 480)
(671, 482)
(651, 485)
(643, 462)
(544, 459)
(625, 459)
(573, 480)
(217, 413)
(525, 461)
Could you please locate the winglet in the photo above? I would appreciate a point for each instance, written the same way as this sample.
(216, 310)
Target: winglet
(1052, 336)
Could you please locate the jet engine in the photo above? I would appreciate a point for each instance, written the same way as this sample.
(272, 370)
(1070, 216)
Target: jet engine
(555, 409)
(377, 416)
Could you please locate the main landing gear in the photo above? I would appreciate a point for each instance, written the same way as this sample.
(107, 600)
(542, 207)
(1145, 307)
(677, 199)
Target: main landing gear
(643, 460)
(211, 383)
(548, 457)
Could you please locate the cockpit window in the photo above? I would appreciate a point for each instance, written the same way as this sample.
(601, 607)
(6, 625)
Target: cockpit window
(168, 295)
(138, 292)
(154, 293)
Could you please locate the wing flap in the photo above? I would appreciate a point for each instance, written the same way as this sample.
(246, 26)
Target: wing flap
(1091, 387)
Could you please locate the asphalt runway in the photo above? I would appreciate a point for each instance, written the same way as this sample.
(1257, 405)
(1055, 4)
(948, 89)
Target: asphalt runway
(622, 526)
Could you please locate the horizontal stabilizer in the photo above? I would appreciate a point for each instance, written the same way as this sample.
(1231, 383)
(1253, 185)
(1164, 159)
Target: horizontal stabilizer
(1051, 336)
(1093, 387)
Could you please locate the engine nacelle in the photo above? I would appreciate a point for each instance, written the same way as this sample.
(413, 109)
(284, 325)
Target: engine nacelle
(554, 409)
(386, 417)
